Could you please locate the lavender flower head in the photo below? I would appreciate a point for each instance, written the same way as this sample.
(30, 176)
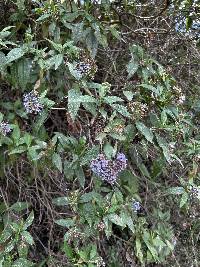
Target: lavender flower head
(136, 206)
(5, 128)
(194, 191)
(121, 161)
(32, 103)
(108, 170)
(83, 68)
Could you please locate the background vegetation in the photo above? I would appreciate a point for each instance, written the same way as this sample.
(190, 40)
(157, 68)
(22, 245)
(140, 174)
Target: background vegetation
(99, 122)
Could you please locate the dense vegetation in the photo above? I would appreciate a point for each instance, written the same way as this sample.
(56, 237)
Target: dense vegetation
(99, 133)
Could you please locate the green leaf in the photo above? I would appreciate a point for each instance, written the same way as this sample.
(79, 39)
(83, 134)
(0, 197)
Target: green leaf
(115, 32)
(22, 263)
(69, 252)
(27, 237)
(163, 145)
(23, 72)
(88, 197)
(93, 252)
(112, 99)
(128, 221)
(80, 176)
(90, 107)
(21, 4)
(19, 206)
(132, 67)
(146, 238)
(150, 87)
(65, 222)
(2, 61)
(60, 201)
(57, 161)
(138, 246)
(73, 102)
(5, 235)
(91, 42)
(108, 150)
(116, 219)
(86, 99)
(18, 150)
(121, 109)
(89, 155)
(184, 199)
(129, 95)
(56, 46)
(16, 133)
(29, 220)
(14, 54)
(143, 170)
(43, 17)
(145, 131)
(58, 60)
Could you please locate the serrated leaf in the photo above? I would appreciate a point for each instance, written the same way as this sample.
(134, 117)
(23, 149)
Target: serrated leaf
(89, 155)
(86, 99)
(121, 109)
(87, 197)
(43, 17)
(128, 221)
(57, 161)
(144, 130)
(114, 218)
(112, 99)
(14, 54)
(58, 60)
(5, 235)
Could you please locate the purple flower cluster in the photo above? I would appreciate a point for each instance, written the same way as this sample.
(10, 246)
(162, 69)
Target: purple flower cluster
(194, 191)
(5, 128)
(136, 206)
(108, 170)
(32, 103)
(83, 68)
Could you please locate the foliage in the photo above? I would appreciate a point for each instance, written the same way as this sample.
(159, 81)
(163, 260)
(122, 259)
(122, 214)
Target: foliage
(98, 136)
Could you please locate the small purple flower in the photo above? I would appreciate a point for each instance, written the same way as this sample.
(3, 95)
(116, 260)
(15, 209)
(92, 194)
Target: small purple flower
(108, 170)
(194, 191)
(136, 206)
(32, 103)
(121, 161)
(5, 128)
(83, 68)
(103, 168)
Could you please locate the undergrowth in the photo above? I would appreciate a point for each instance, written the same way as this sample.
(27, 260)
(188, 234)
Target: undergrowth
(99, 144)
